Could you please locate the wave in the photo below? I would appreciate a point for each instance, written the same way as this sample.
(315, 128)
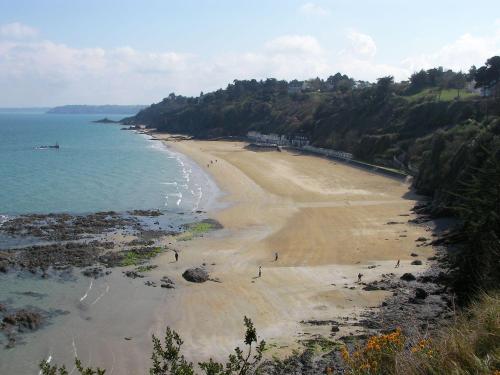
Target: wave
(87, 292)
(3, 219)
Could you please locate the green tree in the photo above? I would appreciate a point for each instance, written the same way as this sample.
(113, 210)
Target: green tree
(384, 87)
(488, 75)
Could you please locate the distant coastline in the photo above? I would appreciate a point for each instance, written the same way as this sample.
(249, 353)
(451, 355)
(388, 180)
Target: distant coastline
(96, 109)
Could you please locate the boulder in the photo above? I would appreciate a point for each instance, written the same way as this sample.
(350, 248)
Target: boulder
(408, 277)
(195, 275)
(416, 263)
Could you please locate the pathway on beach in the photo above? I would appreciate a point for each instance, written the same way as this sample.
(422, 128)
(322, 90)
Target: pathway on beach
(328, 222)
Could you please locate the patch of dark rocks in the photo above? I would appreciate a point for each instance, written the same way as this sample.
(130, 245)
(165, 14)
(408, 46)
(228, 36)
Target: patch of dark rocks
(147, 213)
(141, 242)
(39, 258)
(420, 302)
(14, 322)
(66, 227)
(167, 283)
(133, 274)
(95, 272)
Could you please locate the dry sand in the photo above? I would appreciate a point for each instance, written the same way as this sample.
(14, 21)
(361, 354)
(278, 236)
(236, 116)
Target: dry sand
(328, 222)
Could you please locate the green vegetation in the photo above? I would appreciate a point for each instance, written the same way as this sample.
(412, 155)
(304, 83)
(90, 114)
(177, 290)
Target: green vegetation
(138, 256)
(320, 344)
(168, 360)
(437, 94)
(197, 229)
(461, 170)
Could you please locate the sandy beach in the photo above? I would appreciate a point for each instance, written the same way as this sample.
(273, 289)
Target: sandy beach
(327, 221)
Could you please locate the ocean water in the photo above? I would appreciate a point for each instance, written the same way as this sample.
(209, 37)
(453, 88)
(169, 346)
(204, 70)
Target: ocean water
(98, 167)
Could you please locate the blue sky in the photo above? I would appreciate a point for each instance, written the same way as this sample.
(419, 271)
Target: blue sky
(58, 52)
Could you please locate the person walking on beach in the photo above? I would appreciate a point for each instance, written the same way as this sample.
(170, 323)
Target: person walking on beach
(397, 264)
(260, 271)
(360, 275)
(276, 256)
(176, 255)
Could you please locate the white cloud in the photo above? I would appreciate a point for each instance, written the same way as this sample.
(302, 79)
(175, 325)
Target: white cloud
(313, 9)
(294, 44)
(17, 30)
(362, 45)
(46, 73)
(42, 72)
(460, 54)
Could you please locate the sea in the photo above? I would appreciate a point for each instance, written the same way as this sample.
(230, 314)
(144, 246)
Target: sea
(98, 167)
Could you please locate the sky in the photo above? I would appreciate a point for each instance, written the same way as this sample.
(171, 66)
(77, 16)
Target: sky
(56, 52)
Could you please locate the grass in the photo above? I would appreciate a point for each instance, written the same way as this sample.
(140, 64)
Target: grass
(433, 94)
(198, 229)
(320, 344)
(139, 256)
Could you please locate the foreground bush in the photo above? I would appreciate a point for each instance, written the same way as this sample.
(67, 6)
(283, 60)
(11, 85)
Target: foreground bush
(168, 360)
(471, 345)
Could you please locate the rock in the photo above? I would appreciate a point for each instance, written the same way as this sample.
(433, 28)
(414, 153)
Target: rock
(370, 287)
(196, 275)
(425, 279)
(133, 274)
(24, 319)
(414, 255)
(421, 239)
(167, 283)
(421, 293)
(335, 328)
(432, 258)
(416, 263)
(95, 272)
(408, 277)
